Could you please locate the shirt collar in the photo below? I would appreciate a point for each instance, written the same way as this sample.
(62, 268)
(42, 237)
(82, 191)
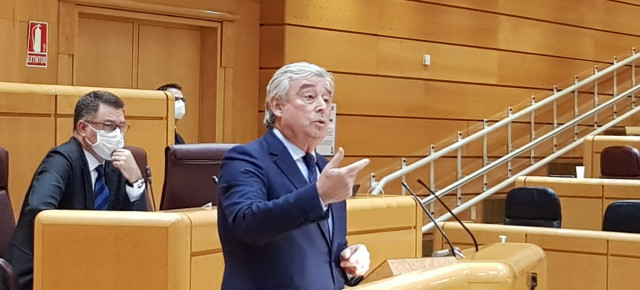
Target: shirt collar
(92, 161)
(294, 150)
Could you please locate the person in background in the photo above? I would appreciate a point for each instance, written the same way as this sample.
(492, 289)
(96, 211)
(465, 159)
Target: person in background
(282, 210)
(91, 171)
(181, 105)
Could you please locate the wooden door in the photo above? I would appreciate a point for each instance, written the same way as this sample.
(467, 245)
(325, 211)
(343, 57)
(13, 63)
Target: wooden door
(135, 50)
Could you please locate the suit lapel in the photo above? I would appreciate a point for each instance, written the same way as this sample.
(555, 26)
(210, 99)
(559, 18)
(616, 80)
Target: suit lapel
(284, 161)
(324, 228)
(86, 174)
(282, 158)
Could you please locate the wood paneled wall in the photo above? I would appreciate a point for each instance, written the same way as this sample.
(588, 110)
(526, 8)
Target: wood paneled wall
(31, 124)
(486, 56)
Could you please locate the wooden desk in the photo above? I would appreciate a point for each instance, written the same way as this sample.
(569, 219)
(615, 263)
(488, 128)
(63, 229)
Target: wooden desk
(180, 249)
(576, 259)
(496, 266)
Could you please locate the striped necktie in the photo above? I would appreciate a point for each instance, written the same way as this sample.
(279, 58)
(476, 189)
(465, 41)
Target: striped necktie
(100, 190)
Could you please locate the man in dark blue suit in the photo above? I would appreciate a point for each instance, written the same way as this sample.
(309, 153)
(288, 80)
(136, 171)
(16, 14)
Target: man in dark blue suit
(282, 210)
(90, 171)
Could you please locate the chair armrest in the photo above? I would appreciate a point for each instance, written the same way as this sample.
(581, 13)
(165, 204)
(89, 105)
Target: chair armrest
(10, 278)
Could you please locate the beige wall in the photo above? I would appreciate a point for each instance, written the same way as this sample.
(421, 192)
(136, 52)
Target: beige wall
(485, 57)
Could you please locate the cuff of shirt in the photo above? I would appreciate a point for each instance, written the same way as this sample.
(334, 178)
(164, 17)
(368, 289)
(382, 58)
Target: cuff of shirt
(135, 190)
(324, 206)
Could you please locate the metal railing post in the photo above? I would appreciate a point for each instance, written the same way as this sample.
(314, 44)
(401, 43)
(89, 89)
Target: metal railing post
(432, 176)
(575, 108)
(509, 144)
(595, 97)
(485, 158)
(615, 88)
(533, 130)
(459, 171)
(403, 164)
(555, 119)
(633, 78)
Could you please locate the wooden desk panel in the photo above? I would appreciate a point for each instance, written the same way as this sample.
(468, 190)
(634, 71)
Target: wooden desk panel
(109, 249)
(623, 273)
(576, 271)
(576, 259)
(581, 213)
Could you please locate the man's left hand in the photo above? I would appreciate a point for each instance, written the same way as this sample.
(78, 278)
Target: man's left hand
(355, 260)
(126, 163)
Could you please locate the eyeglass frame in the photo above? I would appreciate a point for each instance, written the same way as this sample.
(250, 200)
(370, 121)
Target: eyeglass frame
(181, 99)
(123, 127)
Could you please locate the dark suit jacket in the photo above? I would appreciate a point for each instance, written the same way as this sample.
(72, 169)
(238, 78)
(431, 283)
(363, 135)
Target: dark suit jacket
(62, 181)
(272, 224)
(179, 139)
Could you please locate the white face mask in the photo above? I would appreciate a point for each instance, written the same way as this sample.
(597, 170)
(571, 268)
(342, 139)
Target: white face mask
(180, 109)
(106, 143)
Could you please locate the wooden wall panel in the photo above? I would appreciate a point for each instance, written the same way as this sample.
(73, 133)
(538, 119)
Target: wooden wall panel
(100, 41)
(586, 14)
(27, 139)
(7, 12)
(180, 64)
(450, 24)
(246, 66)
(355, 134)
(349, 52)
(485, 56)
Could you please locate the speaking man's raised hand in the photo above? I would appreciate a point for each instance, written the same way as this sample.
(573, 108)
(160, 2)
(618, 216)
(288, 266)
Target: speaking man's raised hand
(335, 183)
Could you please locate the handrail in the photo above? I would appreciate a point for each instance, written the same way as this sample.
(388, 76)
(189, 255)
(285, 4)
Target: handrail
(378, 186)
(529, 169)
(532, 144)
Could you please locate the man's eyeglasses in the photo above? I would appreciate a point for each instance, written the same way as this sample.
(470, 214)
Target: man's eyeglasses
(181, 99)
(110, 126)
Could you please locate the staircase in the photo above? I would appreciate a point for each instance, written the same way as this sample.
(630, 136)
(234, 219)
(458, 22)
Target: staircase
(535, 136)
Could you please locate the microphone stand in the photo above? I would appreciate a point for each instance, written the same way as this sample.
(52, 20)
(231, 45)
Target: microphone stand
(475, 243)
(433, 220)
(147, 169)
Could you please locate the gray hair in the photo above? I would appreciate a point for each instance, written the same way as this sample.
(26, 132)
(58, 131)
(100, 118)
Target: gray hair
(279, 84)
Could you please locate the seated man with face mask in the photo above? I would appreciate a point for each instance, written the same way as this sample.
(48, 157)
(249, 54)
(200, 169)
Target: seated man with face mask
(90, 171)
(181, 104)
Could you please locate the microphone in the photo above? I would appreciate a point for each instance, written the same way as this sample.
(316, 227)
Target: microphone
(453, 252)
(148, 180)
(475, 243)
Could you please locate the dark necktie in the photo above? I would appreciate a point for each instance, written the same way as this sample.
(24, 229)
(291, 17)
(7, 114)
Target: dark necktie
(100, 190)
(310, 162)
